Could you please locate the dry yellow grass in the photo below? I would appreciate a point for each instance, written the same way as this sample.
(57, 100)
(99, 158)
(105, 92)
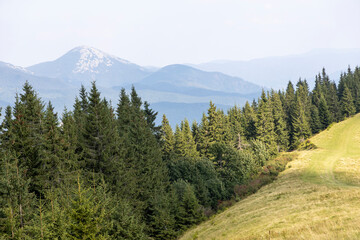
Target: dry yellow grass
(316, 197)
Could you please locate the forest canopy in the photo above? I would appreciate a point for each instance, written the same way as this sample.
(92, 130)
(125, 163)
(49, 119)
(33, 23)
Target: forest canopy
(104, 172)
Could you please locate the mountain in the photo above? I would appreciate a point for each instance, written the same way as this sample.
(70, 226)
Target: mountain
(12, 78)
(84, 64)
(181, 91)
(177, 90)
(184, 76)
(176, 112)
(275, 72)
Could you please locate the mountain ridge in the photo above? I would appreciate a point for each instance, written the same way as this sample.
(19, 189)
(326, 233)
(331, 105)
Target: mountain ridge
(181, 87)
(276, 71)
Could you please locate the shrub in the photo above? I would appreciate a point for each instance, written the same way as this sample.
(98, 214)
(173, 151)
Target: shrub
(306, 145)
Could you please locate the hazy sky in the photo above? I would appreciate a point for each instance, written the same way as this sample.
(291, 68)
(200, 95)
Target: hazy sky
(161, 32)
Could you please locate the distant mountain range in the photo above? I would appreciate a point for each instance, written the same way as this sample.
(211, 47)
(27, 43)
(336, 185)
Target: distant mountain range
(178, 91)
(275, 72)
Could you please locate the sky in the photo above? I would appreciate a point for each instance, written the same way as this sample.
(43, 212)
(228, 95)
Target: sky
(162, 32)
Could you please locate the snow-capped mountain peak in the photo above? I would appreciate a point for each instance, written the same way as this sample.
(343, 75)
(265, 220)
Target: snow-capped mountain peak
(91, 58)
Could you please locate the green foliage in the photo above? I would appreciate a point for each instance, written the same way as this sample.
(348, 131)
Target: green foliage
(281, 132)
(189, 211)
(202, 175)
(306, 145)
(142, 181)
(86, 215)
(265, 128)
(324, 114)
(248, 121)
(167, 139)
(300, 125)
(347, 103)
(233, 166)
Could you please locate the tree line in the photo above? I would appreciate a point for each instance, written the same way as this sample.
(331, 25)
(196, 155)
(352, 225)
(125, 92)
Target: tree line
(99, 172)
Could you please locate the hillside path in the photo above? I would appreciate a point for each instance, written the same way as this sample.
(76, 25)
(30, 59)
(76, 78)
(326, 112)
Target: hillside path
(342, 143)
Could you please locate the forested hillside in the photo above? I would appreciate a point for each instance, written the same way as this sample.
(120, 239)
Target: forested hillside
(104, 172)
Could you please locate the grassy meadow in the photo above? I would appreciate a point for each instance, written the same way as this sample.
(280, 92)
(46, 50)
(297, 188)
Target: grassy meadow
(316, 197)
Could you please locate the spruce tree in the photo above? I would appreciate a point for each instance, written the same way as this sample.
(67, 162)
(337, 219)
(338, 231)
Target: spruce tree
(289, 104)
(315, 123)
(53, 152)
(235, 127)
(347, 103)
(179, 146)
(324, 114)
(203, 140)
(150, 116)
(167, 139)
(265, 128)
(144, 173)
(28, 130)
(189, 143)
(69, 135)
(248, 121)
(101, 153)
(301, 127)
(16, 202)
(188, 212)
(86, 216)
(279, 122)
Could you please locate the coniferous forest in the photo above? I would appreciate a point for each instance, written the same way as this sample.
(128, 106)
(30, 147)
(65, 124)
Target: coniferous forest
(100, 171)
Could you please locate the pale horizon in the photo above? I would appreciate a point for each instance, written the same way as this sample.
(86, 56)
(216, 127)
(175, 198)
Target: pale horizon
(159, 33)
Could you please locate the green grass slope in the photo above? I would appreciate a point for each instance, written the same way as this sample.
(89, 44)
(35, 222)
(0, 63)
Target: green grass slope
(316, 197)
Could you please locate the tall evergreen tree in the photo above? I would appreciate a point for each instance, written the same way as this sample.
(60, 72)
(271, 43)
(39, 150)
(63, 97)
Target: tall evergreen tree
(167, 139)
(289, 104)
(150, 116)
(248, 121)
(265, 128)
(279, 122)
(28, 135)
(347, 103)
(53, 151)
(301, 127)
(189, 143)
(324, 114)
(179, 146)
(236, 130)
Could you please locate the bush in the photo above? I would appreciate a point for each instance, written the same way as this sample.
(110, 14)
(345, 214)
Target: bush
(268, 173)
(306, 145)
